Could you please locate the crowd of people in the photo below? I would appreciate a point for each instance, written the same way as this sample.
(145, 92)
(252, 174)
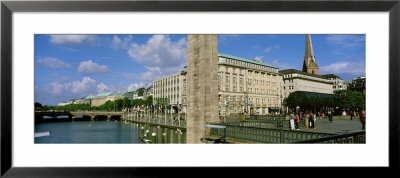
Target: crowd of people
(295, 118)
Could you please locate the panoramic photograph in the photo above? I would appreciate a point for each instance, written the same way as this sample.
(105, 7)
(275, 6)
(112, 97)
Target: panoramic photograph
(200, 89)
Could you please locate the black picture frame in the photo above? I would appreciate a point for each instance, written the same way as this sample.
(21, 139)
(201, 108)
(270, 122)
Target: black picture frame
(8, 7)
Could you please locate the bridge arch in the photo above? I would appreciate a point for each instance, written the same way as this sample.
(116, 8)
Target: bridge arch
(115, 118)
(100, 117)
(83, 118)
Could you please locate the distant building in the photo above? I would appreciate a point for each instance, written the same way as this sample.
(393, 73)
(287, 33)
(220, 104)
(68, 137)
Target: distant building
(104, 97)
(358, 84)
(131, 93)
(337, 82)
(295, 80)
(148, 92)
(63, 103)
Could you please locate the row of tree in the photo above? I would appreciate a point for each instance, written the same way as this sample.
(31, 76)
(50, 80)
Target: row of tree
(341, 100)
(116, 105)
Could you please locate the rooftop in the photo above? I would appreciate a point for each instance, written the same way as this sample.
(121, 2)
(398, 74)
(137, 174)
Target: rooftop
(327, 76)
(291, 71)
(132, 90)
(89, 97)
(244, 60)
(103, 94)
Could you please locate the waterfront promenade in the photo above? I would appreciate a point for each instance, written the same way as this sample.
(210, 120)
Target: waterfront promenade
(338, 126)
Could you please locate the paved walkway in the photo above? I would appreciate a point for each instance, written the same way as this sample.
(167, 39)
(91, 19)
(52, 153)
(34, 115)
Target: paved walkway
(338, 126)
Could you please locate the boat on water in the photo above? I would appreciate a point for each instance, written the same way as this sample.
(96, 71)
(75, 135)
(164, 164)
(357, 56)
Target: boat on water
(42, 134)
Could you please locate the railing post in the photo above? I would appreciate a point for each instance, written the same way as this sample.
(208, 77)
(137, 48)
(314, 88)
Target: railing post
(235, 131)
(225, 135)
(281, 136)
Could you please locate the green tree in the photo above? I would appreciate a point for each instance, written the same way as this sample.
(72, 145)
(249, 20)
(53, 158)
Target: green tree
(350, 100)
(38, 106)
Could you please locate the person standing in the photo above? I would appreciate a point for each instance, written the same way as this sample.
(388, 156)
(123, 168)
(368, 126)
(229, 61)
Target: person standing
(311, 120)
(351, 115)
(330, 116)
(362, 118)
(315, 119)
(291, 121)
(297, 121)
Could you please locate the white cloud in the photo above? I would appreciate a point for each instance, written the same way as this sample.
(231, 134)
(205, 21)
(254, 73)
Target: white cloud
(159, 55)
(346, 41)
(72, 39)
(354, 68)
(87, 85)
(101, 88)
(259, 58)
(118, 43)
(271, 48)
(223, 39)
(71, 49)
(52, 62)
(150, 75)
(89, 67)
(281, 65)
(138, 85)
(75, 88)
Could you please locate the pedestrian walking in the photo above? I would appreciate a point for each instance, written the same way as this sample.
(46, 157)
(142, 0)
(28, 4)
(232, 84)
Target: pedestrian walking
(330, 116)
(297, 122)
(314, 118)
(362, 118)
(311, 120)
(291, 121)
(351, 115)
(301, 115)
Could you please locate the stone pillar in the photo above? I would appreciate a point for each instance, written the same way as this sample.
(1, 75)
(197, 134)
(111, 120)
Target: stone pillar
(202, 85)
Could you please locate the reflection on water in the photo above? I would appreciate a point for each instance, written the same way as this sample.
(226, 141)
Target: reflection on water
(107, 132)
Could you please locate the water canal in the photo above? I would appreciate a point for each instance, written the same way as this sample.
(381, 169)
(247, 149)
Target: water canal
(107, 132)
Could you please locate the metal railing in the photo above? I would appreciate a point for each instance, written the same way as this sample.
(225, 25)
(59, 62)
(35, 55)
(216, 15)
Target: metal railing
(162, 120)
(267, 135)
(271, 124)
(355, 137)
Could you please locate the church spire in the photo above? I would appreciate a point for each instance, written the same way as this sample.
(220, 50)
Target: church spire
(310, 64)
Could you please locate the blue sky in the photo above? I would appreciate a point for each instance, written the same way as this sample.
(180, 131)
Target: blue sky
(76, 66)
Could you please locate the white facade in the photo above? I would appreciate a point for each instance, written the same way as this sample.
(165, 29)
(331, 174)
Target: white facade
(169, 87)
(294, 80)
(247, 86)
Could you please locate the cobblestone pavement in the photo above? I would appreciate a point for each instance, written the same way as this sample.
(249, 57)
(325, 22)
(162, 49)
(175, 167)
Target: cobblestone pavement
(338, 126)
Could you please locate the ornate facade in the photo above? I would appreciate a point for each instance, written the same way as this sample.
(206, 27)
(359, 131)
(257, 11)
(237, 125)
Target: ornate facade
(247, 86)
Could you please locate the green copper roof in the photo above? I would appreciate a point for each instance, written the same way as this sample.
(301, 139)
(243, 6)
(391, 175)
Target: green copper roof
(89, 97)
(243, 59)
(117, 94)
(103, 94)
(132, 90)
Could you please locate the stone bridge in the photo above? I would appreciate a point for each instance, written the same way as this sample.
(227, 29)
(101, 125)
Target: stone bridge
(49, 116)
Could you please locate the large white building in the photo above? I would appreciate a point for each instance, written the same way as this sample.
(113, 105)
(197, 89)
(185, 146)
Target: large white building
(247, 86)
(168, 90)
(308, 79)
(295, 80)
